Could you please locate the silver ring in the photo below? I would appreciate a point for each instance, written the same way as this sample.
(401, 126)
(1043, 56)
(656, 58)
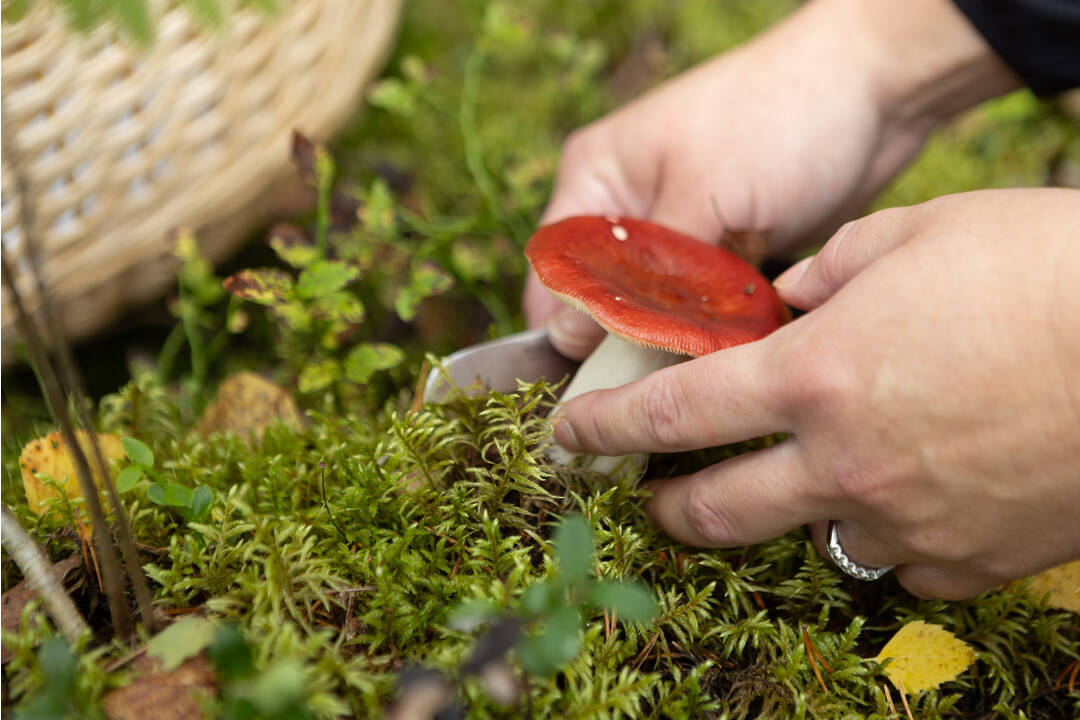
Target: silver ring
(842, 561)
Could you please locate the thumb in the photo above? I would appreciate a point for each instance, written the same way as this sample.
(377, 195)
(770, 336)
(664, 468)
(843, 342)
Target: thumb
(856, 245)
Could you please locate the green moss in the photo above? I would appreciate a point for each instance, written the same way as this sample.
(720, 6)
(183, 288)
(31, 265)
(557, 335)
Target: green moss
(350, 571)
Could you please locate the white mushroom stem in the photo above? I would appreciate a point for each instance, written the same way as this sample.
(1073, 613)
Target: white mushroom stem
(615, 362)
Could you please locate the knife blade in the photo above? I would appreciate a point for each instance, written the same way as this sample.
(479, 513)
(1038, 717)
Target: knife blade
(498, 365)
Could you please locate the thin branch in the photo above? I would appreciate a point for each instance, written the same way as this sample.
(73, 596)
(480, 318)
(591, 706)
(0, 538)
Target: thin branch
(35, 566)
(69, 376)
(110, 565)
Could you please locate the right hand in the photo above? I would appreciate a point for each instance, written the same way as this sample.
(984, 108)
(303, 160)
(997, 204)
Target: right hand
(793, 133)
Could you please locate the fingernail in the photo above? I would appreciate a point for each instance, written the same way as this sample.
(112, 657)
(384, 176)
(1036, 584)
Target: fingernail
(793, 274)
(564, 434)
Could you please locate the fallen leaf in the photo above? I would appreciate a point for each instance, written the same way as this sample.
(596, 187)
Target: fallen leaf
(49, 456)
(924, 656)
(180, 641)
(246, 404)
(1063, 585)
(14, 601)
(172, 695)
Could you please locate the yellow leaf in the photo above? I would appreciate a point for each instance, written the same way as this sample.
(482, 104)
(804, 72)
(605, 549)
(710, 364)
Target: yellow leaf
(247, 404)
(1063, 584)
(49, 456)
(924, 656)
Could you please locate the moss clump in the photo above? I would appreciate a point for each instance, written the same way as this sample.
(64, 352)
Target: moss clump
(351, 571)
(348, 573)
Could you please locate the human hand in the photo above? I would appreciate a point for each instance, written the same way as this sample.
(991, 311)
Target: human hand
(792, 133)
(932, 394)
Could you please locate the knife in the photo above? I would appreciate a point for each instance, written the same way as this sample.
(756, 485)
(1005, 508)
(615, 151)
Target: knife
(498, 365)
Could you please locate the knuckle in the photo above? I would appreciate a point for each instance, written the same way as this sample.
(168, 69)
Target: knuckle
(820, 382)
(664, 413)
(706, 518)
(580, 143)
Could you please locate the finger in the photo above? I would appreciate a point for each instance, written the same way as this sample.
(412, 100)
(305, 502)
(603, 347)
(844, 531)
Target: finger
(926, 581)
(748, 499)
(811, 281)
(574, 334)
(690, 208)
(860, 546)
(713, 400)
(537, 303)
(591, 179)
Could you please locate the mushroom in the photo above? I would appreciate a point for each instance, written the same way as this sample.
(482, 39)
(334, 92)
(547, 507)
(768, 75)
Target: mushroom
(662, 297)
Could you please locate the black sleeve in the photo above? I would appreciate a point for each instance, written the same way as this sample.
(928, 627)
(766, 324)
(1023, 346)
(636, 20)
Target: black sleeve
(1038, 39)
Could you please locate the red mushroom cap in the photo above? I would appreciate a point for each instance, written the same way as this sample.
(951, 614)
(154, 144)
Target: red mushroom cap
(653, 286)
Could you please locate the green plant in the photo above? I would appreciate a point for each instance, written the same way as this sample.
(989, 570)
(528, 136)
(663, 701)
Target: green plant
(555, 608)
(320, 311)
(198, 308)
(192, 504)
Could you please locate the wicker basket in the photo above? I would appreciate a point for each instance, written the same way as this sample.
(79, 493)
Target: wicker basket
(121, 146)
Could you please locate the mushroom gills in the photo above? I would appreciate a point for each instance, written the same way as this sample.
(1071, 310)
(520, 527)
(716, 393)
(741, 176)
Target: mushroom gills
(615, 362)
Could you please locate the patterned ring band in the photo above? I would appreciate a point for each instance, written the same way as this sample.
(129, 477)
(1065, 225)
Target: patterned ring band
(849, 566)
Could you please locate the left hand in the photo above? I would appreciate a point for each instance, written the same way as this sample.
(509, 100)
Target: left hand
(932, 394)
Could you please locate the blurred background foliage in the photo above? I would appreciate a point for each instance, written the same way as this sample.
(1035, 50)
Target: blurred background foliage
(444, 175)
(459, 144)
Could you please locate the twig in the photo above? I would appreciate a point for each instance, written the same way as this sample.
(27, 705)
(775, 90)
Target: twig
(421, 382)
(903, 699)
(888, 696)
(813, 662)
(54, 394)
(817, 653)
(34, 564)
(69, 377)
(645, 651)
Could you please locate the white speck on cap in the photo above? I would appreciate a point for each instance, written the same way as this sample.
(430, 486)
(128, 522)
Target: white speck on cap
(619, 232)
(612, 218)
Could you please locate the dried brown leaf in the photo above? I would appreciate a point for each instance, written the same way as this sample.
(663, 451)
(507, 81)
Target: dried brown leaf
(246, 404)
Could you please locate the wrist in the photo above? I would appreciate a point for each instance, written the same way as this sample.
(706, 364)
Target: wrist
(927, 62)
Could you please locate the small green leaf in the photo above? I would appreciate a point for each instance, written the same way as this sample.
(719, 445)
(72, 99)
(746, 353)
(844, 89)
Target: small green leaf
(230, 653)
(557, 644)
(181, 640)
(201, 499)
(127, 478)
(367, 359)
(341, 305)
(134, 18)
(377, 212)
(631, 601)
(57, 663)
(279, 690)
(318, 376)
(394, 96)
(472, 261)
(428, 279)
(156, 494)
(574, 550)
(138, 452)
(178, 496)
(471, 614)
(538, 598)
(324, 277)
(293, 314)
(265, 286)
(293, 246)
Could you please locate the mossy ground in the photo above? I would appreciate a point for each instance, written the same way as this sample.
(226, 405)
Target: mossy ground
(351, 570)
